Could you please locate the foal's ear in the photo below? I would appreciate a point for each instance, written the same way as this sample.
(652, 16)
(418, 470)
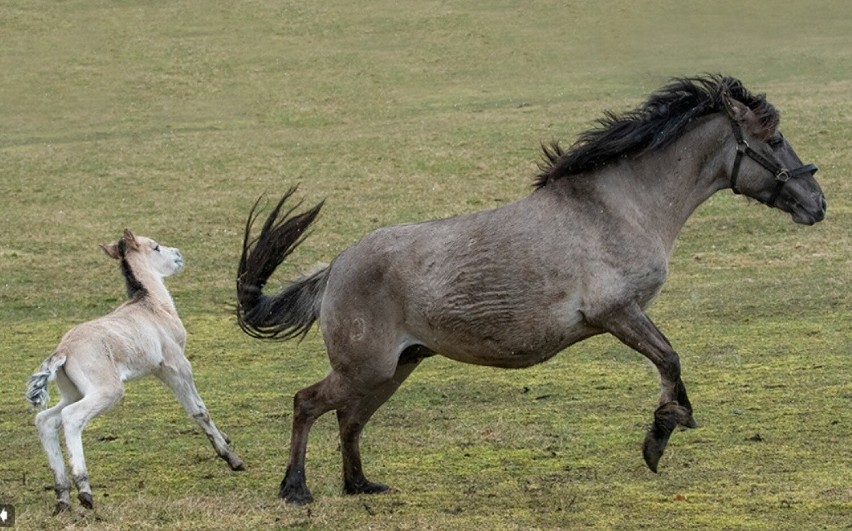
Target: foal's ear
(111, 250)
(129, 238)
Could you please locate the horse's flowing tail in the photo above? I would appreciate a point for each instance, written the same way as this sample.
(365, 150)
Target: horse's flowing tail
(293, 311)
(37, 392)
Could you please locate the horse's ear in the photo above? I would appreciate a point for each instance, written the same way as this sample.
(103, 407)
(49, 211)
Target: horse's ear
(129, 238)
(736, 109)
(111, 250)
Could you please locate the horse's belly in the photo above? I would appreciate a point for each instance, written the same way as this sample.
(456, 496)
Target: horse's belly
(508, 344)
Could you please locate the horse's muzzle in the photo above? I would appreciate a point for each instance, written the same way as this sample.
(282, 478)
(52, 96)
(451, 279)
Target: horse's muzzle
(804, 216)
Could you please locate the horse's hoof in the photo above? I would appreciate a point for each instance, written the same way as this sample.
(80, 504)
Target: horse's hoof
(666, 418)
(86, 500)
(652, 450)
(365, 487)
(295, 494)
(61, 507)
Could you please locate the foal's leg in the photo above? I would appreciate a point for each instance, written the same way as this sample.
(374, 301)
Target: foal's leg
(635, 329)
(48, 423)
(351, 418)
(177, 375)
(75, 417)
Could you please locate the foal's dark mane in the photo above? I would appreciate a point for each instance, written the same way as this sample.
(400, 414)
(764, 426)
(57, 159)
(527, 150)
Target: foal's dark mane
(135, 290)
(651, 126)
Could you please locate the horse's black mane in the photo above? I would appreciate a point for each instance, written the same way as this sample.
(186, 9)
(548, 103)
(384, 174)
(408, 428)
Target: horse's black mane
(652, 125)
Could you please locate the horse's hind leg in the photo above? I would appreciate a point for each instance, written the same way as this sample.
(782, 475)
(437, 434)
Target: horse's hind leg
(308, 405)
(354, 409)
(48, 423)
(177, 375)
(351, 419)
(75, 417)
(635, 329)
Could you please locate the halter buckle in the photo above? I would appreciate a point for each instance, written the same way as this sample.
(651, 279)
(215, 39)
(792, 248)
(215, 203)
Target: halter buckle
(783, 175)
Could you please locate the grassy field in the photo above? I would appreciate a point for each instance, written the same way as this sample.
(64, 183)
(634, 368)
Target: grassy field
(171, 118)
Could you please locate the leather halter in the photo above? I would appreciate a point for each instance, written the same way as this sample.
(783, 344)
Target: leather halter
(782, 174)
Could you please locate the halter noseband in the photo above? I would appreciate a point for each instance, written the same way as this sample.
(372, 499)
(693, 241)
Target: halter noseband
(782, 174)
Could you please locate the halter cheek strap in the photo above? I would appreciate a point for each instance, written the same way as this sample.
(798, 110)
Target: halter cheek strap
(782, 174)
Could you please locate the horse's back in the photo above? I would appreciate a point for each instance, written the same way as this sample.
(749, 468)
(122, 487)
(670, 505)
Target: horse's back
(488, 288)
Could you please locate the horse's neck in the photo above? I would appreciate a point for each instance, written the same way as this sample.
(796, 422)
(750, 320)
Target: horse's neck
(156, 292)
(670, 184)
(159, 295)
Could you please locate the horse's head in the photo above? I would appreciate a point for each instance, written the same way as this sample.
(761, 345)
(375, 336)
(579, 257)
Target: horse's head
(165, 261)
(766, 167)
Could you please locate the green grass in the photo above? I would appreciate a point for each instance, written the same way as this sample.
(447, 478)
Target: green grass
(172, 117)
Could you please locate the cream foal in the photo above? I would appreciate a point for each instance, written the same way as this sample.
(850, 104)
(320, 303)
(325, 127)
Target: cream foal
(142, 336)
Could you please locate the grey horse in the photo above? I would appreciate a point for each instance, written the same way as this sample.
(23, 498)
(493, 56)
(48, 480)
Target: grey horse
(585, 253)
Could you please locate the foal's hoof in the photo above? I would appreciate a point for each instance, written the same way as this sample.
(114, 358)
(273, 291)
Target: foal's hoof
(86, 500)
(236, 464)
(365, 487)
(61, 507)
(295, 494)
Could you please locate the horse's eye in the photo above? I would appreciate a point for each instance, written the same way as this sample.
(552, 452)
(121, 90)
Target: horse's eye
(776, 141)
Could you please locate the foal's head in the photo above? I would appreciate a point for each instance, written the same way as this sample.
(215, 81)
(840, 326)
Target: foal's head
(139, 251)
(766, 167)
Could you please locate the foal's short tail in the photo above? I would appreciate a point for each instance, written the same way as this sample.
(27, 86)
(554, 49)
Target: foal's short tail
(293, 311)
(37, 385)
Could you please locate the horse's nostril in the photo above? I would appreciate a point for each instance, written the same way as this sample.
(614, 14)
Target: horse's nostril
(823, 206)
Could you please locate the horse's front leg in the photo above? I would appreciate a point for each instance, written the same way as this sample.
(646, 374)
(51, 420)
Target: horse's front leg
(633, 328)
(177, 375)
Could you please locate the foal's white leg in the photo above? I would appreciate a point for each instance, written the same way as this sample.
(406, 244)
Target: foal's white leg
(48, 423)
(75, 417)
(177, 375)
